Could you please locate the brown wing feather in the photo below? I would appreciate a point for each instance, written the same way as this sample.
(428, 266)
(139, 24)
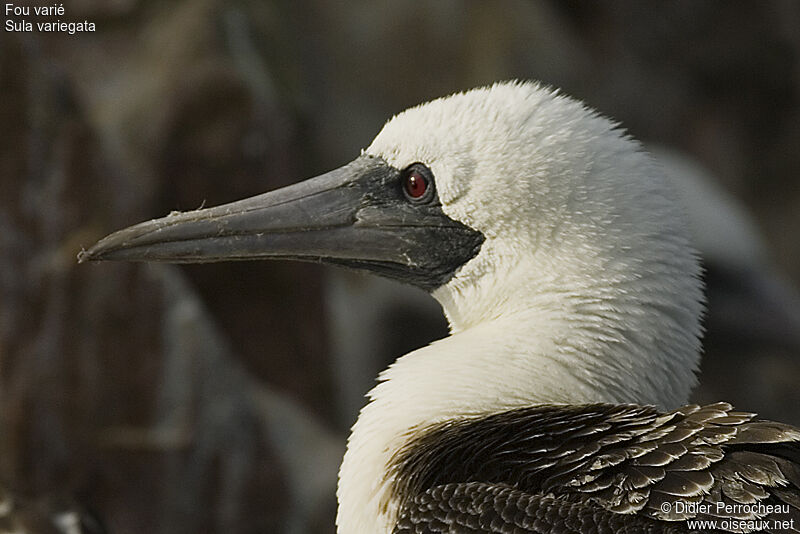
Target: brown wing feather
(476, 508)
(625, 460)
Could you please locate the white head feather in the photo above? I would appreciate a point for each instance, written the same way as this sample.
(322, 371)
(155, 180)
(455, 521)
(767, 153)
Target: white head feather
(584, 290)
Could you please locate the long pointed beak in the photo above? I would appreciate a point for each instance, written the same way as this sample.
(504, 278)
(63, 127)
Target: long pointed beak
(356, 216)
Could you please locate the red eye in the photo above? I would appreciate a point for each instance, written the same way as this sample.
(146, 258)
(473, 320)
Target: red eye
(418, 186)
(415, 185)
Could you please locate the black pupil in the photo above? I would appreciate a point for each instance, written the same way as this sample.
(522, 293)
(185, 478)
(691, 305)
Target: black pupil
(416, 185)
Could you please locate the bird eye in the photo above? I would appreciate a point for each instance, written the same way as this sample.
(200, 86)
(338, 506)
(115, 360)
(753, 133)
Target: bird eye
(418, 183)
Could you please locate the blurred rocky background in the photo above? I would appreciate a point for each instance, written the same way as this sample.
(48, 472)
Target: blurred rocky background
(217, 398)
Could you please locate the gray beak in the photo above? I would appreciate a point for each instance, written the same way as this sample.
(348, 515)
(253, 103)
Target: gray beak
(356, 216)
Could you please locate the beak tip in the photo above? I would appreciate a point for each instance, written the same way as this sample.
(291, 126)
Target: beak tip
(118, 245)
(101, 251)
(89, 255)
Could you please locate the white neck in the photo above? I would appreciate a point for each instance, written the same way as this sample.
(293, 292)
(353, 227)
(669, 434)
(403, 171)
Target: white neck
(550, 347)
(426, 386)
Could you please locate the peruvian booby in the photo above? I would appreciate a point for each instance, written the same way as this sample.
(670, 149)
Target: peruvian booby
(563, 265)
